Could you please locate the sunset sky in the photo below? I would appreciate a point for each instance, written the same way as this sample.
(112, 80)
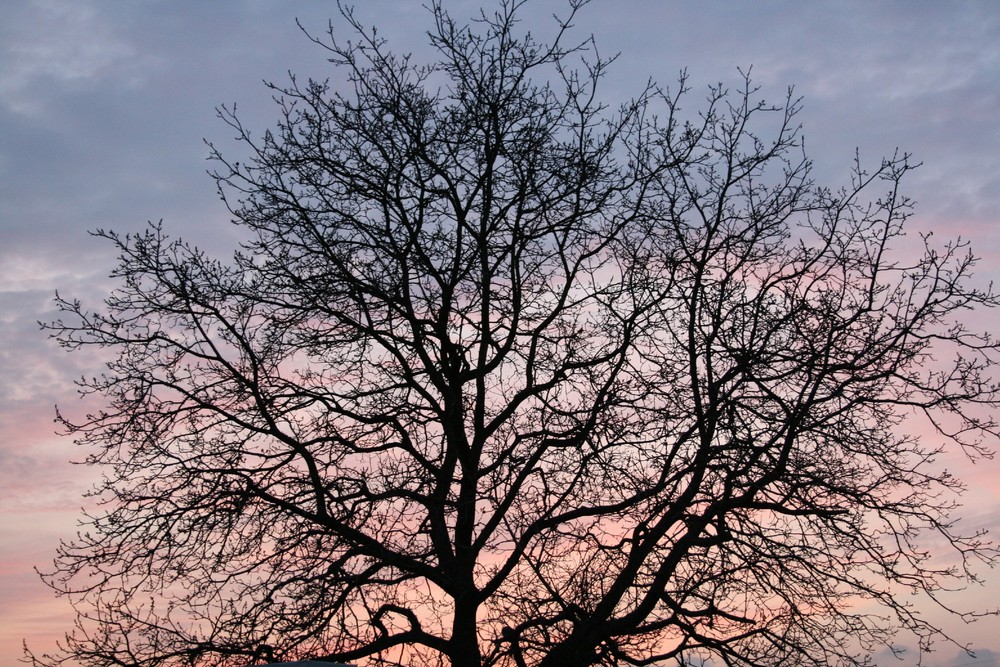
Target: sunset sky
(104, 106)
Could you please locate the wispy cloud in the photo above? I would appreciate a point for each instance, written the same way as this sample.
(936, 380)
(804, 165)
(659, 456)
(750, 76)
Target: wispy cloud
(51, 45)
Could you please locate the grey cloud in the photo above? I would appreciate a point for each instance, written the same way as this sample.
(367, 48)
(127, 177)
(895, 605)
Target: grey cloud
(50, 44)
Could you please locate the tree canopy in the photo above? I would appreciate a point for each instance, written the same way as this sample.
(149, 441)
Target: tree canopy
(505, 375)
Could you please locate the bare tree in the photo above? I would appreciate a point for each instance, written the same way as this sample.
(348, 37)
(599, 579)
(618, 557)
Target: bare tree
(504, 376)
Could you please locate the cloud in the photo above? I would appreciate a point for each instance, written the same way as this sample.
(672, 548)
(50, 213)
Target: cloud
(59, 44)
(981, 658)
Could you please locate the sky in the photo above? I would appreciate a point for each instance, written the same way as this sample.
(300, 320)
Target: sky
(104, 107)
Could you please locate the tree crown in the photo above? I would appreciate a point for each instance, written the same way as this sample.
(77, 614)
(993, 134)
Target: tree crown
(503, 376)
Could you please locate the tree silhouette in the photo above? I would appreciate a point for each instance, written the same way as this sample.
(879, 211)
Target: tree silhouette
(504, 376)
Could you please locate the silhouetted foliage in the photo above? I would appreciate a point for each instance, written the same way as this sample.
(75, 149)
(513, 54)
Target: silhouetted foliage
(508, 377)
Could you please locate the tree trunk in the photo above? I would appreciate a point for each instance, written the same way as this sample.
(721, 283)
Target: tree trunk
(464, 637)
